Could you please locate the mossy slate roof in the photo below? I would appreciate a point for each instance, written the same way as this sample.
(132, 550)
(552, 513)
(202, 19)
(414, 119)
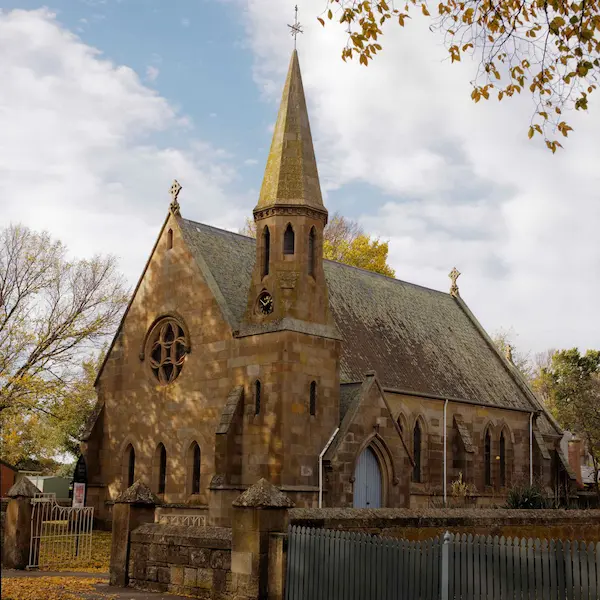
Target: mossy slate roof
(416, 339)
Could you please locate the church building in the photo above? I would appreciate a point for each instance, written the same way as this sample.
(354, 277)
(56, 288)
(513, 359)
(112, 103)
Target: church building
(238, 359)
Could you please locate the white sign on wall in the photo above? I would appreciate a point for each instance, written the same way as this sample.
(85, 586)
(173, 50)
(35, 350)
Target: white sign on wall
(78, 495)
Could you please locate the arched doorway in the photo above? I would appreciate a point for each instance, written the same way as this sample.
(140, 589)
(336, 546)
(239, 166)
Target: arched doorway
(367, 481)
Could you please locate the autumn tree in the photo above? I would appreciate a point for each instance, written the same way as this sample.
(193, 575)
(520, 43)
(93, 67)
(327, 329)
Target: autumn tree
(55, 314)
(504, 341)
(572, 387)
(43, 434)
(547, 48)
(345, 241)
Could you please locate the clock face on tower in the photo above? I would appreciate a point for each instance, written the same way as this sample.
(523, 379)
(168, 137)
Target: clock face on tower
(265, 304)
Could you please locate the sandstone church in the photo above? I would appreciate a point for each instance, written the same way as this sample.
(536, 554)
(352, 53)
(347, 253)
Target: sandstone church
(239, 359)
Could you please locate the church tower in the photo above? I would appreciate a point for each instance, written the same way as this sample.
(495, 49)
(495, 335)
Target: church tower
(288, 281)
(288, 338)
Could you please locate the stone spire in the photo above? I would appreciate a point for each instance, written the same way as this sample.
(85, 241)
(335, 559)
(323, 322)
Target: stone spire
(291, 176)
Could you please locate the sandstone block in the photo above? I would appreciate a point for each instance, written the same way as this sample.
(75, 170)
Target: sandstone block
(200, 557)
(176, 576)
(204, 578)
(220, 559)
(164, 575)
(189, 577)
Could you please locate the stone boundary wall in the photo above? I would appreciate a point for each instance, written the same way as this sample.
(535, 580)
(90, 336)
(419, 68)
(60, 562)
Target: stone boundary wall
(423, 524)
(192, 561)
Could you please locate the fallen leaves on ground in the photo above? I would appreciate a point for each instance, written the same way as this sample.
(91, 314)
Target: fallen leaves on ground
(98, 562)
(51, 588)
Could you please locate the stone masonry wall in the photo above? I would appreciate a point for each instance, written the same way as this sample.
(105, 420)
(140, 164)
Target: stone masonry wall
(424, 524)
(514, 424)
(192, 561)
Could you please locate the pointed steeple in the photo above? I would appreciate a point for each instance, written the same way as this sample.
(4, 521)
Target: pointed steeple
(291, 176)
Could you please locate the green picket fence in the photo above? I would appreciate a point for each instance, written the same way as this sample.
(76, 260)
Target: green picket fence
(336, 565)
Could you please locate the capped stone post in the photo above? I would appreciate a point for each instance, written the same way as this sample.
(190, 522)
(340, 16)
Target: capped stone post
(132, 508)
(262, 510)
(17, 526)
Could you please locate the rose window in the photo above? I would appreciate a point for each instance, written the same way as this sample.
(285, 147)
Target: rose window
(167, 351)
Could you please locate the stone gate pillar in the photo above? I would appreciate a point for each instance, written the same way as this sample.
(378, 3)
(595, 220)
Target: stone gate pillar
(17, 526)
(259, 512)
(136, 505)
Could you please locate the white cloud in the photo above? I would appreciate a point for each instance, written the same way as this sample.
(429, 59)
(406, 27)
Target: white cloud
(463, 184)
(152, 73)
(250, 162)
(78, 150)
(185, 22)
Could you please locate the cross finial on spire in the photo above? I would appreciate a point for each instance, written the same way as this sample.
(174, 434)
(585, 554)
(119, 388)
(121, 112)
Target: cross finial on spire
(174, 191)
(454, 275)
(296, 27)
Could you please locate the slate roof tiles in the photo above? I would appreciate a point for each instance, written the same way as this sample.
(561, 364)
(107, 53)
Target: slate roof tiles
(416, 339)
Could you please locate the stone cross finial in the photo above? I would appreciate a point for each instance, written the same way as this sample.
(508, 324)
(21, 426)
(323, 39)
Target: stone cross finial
(174, 191)
(296, 27)
(454, 275)
(509, 353)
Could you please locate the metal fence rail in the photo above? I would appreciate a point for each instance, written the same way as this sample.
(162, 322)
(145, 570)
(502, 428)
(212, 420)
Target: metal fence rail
(336, 565)
(187, 520)
(59, 534)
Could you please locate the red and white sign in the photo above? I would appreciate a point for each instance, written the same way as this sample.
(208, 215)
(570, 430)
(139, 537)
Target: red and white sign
(78, 495)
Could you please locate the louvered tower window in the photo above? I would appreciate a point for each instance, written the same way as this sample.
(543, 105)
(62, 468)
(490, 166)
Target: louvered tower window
(266, 244)
(288, 240)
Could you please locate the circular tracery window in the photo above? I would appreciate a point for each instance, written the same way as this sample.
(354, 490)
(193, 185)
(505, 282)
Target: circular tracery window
(167, 351)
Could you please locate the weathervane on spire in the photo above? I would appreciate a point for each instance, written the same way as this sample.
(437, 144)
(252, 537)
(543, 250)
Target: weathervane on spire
(296, 27)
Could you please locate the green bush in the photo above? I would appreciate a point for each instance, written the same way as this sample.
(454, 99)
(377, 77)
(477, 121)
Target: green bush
(526, 496)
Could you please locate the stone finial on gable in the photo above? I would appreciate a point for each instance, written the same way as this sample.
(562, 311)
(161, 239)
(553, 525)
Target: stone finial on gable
(138, 493)
(174, 191)
(263, 495)
(454, 275)
(508, 352)
(23, 489)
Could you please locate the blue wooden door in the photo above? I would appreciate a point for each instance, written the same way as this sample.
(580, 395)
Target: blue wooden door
(367, 481)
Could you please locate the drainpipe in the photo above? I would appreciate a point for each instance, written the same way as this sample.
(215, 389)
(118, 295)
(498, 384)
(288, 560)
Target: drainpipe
(445, 461)
(321, 465)
(531, 449)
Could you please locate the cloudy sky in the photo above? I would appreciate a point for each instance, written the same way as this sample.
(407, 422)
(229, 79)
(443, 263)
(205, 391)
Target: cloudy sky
(104, 102)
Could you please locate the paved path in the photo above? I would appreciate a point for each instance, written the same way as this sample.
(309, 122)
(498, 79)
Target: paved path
(102, 588)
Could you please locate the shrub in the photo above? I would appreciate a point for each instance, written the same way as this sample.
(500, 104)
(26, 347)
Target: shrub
(526, 496)
(462, 489)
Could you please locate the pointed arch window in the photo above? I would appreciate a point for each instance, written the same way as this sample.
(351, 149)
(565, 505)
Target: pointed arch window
(312, 242)
(288, 240)
(313, 398)
(502, 457)
(257, 392)
(162, 469)
(194, 455)
(487, 457)
(169, 239)
(130, 466)
(417, 452)
(266, 254)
